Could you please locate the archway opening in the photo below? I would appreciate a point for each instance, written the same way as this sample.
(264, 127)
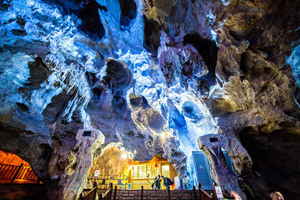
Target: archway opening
(115, 167)
(17, 179)
(13, 169)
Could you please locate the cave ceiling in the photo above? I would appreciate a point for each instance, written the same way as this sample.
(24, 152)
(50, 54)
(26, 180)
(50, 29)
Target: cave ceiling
(153, 77)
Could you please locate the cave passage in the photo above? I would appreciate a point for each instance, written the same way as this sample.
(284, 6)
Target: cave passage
(18, 181)
(15, 170)
(115, 167)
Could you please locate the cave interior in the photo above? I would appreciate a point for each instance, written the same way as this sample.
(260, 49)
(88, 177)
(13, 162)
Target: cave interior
(101, 93)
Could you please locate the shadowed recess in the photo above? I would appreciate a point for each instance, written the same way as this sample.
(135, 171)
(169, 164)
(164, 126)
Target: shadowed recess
(91, 23)
(87, 11)
(128, 9)
(207, 49)
(151, 35)
(117, 75)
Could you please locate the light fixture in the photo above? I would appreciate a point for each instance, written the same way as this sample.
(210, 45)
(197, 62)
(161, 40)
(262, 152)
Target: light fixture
(124, 155)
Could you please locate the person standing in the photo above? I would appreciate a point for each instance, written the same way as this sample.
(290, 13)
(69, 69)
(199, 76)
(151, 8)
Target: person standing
(153, 186)
(157, 183)
(167, 182)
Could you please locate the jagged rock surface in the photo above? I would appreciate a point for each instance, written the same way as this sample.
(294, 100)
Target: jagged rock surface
(152, 77)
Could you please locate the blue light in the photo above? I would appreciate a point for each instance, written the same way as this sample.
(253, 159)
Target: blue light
(70, 53)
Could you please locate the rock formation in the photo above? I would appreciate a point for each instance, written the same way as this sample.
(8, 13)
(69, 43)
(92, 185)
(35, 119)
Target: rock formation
(153, 77)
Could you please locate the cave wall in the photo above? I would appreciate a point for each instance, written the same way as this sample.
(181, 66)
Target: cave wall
(152, 77)
(111, 163)
(274, 157)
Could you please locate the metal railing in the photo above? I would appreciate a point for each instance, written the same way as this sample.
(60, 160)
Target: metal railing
(91, 195)
(116, 194)
(104, 181)
(12, 173)
(107, 195)
(142, 194)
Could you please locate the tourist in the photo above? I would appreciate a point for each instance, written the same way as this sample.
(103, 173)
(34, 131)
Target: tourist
(157, 182)
(154, 183)
(167, 182)
(276, 196)
(235, 195)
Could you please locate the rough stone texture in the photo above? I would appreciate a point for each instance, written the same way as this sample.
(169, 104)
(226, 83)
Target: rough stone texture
(67, 66)
(88, 141)
(112, 162)
(211, 146)
(274, 150)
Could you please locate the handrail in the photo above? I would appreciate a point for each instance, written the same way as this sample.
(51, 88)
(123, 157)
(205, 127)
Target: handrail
(107, 192)
(14, 172)
(10, 165)
(107, 195)
(227, 196)
(224, 194)
(204, 194)
(17, 172)
(164, 194)
(90, 195)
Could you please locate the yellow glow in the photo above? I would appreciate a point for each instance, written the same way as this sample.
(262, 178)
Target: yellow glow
(124, 155)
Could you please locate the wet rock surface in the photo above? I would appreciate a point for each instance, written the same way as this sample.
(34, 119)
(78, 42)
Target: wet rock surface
(153, 78)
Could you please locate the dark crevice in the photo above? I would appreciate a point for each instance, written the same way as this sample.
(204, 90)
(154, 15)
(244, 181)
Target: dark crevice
(91, 78)
(96, 93)
(273, 153)
(21, 22)
(139, 101)
(87, 11)
(18, 32)
(39, 73)
(128, 11)
(243, 65)
(209, 52)
(119, 104)
(152, 32)
(235, 35)
(117, 75)
(23, 107)
(91, 23)
(206, 48)
(53, 110)
(4, 6)
(46, 151)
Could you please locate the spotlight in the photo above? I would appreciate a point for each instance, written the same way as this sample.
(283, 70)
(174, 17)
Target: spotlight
(124, 155)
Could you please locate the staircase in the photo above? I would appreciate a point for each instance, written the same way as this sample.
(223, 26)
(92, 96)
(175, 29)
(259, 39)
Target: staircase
(117, 194)
(156, 195)
(19, 174)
